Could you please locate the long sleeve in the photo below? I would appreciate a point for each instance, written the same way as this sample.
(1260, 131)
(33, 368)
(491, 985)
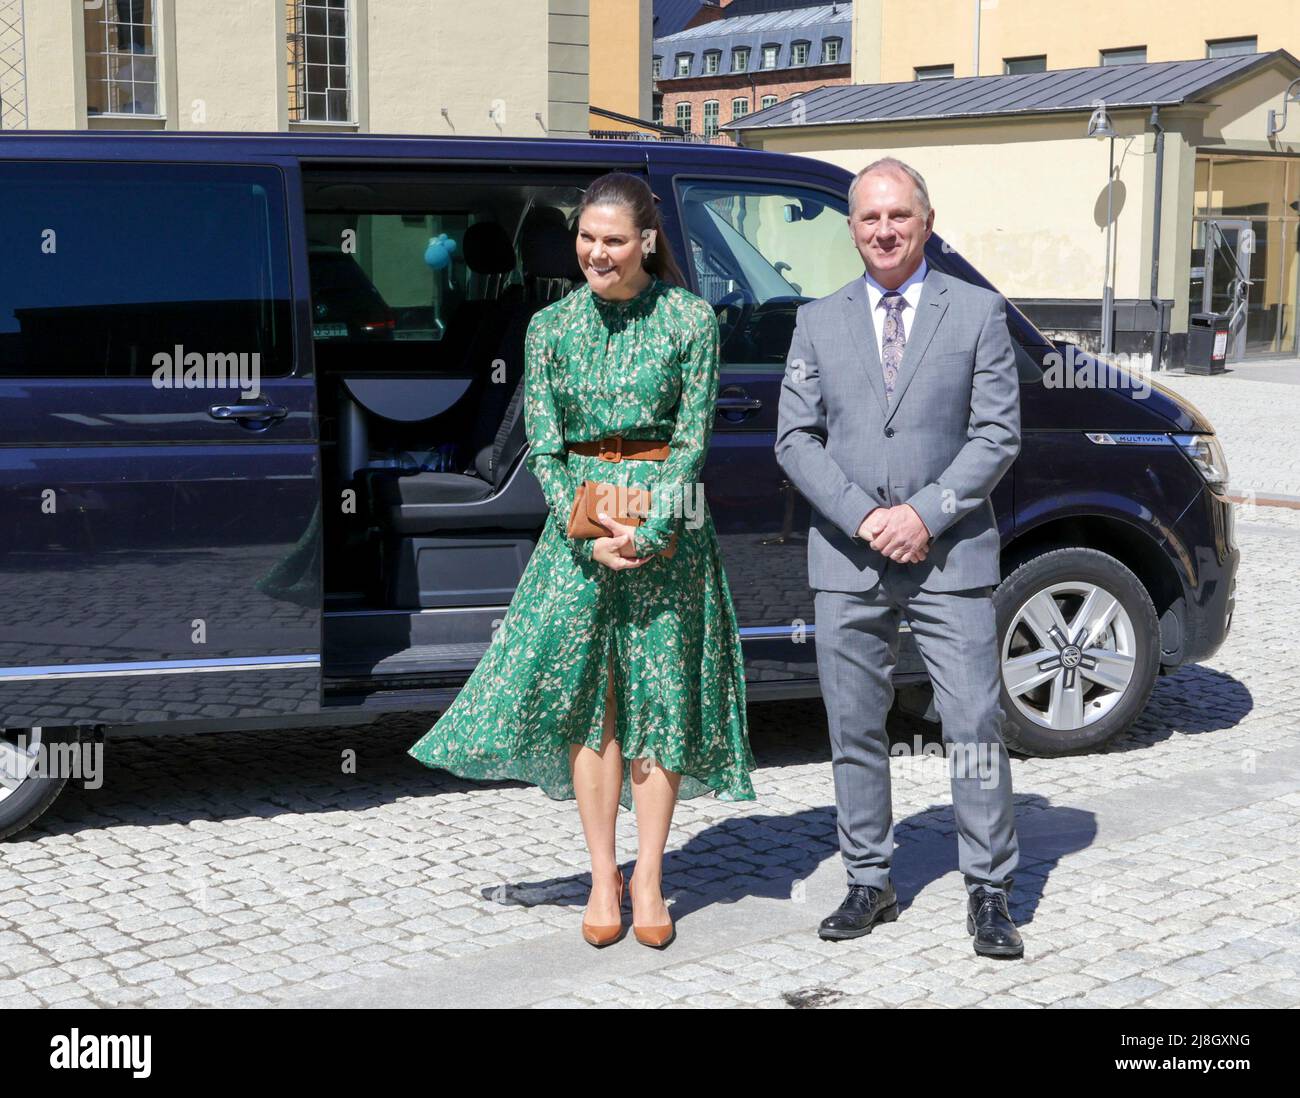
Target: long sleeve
(992, 437)
(689, 444)
(801, 441)
(544, 428)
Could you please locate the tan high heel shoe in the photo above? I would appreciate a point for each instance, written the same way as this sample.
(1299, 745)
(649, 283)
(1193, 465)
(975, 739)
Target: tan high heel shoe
(656, 937)
(606, 935)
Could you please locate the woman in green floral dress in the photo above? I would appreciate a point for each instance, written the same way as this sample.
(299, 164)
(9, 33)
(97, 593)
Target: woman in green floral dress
(616, 675)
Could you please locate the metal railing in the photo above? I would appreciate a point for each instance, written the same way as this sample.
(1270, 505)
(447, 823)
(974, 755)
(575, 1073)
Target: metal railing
(1239, 287)
(654, 135)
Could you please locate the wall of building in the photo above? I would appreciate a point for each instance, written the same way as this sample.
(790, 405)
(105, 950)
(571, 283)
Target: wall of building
(1023, 200)
(621, 36)
(435, 67)
(56, 85)
(892, 37)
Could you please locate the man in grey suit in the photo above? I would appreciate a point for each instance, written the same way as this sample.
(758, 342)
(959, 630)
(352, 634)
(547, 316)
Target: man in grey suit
(899, 415)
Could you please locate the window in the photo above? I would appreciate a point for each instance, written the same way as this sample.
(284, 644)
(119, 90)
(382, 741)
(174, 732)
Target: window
(934, 72)
(740, 59)
(767, 101)
(1231, 47)
(798, 53)
(830, 50)
(319, 65)
(684, 116)
(108, 265)
(376, 279)
(1133, 55)
(712, 59)
(739, 107)
(760, 249)
(656, 67)
(683, 64)
(1011, 66)
(657, 113)
(121, 58)
(710, 117)
(770, 55)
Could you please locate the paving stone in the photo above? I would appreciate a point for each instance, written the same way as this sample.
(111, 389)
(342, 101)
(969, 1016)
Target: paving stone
(211, 871)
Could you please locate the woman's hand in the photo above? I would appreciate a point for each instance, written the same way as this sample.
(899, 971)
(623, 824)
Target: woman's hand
(617, 551)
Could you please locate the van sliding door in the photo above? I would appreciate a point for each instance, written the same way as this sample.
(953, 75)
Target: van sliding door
(159, 481)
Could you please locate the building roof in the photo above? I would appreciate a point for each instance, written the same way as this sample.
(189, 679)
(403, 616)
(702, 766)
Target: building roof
(670, 16)
(768, 28)
(1155, 83)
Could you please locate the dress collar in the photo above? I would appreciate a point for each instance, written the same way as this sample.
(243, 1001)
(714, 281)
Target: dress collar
(605, 305)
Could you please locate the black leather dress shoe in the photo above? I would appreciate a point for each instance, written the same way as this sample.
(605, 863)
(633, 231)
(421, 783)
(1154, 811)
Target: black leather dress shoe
(989, 920)
(862, 909)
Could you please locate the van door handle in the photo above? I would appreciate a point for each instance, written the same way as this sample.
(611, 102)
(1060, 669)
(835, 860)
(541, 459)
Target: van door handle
(255, 416)
(736, 404)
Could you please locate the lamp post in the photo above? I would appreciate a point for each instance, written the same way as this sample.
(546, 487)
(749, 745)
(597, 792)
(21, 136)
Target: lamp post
(1099, 127)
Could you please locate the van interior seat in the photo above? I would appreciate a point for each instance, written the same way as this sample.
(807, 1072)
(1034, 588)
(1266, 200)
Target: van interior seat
(490, 255)
(410, 501)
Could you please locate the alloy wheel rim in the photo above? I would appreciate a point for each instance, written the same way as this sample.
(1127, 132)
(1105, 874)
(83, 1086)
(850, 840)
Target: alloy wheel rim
(1069, 655)
(19, 749)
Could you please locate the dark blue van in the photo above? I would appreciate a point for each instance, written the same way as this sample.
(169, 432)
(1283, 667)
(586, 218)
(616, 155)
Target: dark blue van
(261, 438)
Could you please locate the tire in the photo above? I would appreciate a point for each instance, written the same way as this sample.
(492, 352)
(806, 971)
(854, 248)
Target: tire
(1060, 697)
(24, 802)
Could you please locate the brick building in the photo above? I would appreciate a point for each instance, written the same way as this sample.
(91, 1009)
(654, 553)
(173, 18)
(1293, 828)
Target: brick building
(742, 57)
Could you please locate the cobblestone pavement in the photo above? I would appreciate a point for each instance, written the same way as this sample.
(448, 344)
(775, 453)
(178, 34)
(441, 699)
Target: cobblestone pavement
(1256, 417)
(267, 869)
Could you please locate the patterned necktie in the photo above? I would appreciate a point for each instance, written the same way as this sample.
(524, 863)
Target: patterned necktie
(893, 340)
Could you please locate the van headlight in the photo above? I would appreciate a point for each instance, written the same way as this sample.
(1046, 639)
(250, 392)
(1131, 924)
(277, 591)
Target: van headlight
(1206, 454)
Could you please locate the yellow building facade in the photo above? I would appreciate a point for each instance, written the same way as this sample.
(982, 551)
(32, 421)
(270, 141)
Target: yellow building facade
(435, 67)
(893, 38)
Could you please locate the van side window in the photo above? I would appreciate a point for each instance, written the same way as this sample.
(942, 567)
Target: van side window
(412, 259)
(107, 265)
(759, 250)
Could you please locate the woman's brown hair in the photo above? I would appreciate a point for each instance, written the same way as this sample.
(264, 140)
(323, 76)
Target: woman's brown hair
(634, 195)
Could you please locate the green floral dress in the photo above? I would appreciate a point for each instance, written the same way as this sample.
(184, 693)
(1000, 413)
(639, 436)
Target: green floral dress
(646, 368)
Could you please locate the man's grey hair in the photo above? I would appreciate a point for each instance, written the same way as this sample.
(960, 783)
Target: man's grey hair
(891, 164)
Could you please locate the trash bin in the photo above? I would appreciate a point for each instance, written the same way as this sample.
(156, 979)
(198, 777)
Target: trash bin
(1207, 343)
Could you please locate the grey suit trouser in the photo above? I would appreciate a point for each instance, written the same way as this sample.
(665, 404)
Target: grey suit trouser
(857, 648)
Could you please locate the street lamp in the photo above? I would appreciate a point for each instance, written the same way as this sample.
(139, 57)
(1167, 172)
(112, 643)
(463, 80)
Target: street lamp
(1277, 121)
(1099, 127)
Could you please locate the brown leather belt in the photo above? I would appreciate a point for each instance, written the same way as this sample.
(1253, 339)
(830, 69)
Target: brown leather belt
(616, 448)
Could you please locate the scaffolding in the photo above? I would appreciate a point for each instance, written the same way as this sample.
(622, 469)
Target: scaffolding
(13, 68)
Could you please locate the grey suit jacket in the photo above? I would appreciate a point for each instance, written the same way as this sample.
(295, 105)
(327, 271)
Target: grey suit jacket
(941, 444)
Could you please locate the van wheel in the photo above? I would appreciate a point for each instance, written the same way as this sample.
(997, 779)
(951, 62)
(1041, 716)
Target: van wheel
(24, 792)
(1079, 644)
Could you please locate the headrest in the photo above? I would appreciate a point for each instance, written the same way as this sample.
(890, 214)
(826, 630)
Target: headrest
(548, 251)
(544, 215)
(488, 249)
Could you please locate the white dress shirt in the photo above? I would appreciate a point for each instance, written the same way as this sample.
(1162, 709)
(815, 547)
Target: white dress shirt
(911, 291)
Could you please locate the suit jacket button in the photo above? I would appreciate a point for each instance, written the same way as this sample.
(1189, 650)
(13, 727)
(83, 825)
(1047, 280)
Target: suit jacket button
(889, 432)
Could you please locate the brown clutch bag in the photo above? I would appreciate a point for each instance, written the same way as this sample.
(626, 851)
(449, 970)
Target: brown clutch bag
(624, 504)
